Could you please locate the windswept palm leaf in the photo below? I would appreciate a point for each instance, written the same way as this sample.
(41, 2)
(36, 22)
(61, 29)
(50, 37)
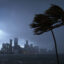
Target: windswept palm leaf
(41, 23)
(48, 21)
(63, 18)
(55, 11)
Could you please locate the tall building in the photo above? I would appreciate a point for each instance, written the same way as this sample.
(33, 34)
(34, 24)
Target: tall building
(5, 48)
(10, 46)
(16, 48)
(10, 42)
(26, 45)
(26, 48)
(15, 41)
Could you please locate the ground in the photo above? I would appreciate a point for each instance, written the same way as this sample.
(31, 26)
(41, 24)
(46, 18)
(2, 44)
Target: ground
(30, 59)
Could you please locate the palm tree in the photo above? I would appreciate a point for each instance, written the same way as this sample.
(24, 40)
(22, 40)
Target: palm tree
(51, 19)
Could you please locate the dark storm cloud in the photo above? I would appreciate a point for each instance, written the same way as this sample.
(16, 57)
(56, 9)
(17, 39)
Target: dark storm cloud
(16, 15)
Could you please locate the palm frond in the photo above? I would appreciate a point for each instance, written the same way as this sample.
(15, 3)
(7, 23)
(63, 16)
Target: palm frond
(48, 21)
(54, 11)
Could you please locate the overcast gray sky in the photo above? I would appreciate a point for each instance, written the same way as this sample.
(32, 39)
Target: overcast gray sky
(15, 17)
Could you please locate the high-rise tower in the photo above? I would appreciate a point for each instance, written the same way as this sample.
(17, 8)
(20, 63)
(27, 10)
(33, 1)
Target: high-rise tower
(26, 45)
(10, 46)
(15, 41)
(10, 42)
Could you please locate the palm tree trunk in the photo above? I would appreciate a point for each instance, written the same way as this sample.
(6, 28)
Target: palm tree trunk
(57, 56)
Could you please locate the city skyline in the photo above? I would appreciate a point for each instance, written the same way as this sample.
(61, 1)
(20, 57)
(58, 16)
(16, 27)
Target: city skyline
(28, 45)
(8, 48)
(19, 40)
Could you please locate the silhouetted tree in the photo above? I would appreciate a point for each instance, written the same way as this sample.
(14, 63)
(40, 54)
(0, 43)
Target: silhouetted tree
(51, 19)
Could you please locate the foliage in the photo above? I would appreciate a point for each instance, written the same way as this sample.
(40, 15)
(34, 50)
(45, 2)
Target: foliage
(52, 18)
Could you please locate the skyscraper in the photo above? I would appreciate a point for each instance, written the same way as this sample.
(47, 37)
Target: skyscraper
(11, 42)
(15, 41)
(10, 46)
(26, 45)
